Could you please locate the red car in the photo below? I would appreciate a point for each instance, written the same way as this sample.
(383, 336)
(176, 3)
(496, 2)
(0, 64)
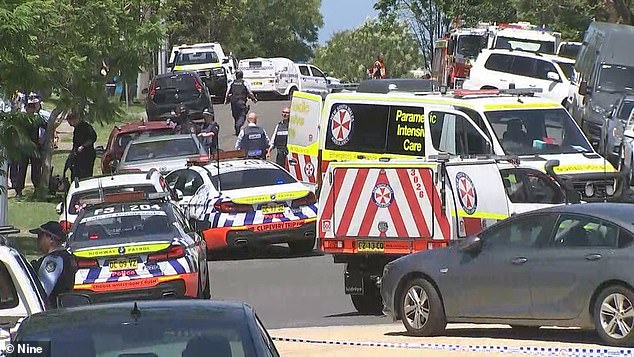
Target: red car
(122, 135)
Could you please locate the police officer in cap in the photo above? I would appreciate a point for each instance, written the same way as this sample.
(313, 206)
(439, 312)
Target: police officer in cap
(280, 139)
(237, 93)
(56, 269)
(253, 139)
(209, 132)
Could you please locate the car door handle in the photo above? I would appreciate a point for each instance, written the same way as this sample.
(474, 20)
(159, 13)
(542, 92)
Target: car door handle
(593, 257)
(519, 260)
(292, 161)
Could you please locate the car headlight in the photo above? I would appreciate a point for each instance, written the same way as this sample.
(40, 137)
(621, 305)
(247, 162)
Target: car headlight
(589, 189)
(617, 131)
(609, 190)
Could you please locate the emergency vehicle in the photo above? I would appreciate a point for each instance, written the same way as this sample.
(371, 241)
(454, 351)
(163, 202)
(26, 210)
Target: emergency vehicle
(373, 212)
(211, 63)
(455, 53)
(279, 76)
(525, 36)
(237, 202)
(462, 123)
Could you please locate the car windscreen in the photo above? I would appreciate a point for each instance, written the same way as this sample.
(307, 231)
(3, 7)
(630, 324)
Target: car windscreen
(613, 78)
(167, 332)
(123, 221)
(181, 82)
(470, 45)
(569, 50)
(236, 180)
(537, 131)
(122, 140)
(78, 197)
(625, 110)
(163, 149)
(185, 59)
(567, 68)
(524, 44)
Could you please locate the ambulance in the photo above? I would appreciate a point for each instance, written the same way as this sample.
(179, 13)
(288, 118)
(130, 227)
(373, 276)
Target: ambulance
(372, 212)
(461, 123)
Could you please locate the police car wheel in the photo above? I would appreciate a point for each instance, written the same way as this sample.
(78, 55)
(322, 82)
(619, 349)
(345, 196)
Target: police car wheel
(368, 304)
(613, 314)
(422, 311)
(302, 247)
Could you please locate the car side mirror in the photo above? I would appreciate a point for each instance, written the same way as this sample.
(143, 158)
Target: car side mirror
(59, 208)
(100, 150)
(471, 244)
(553, 76)
(225, 61)
(179, 194)
(114, 164)
(73, 299)
(583, 88)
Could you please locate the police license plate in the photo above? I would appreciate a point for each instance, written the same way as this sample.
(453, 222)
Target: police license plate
(257, 83)
(370, 247)
(272, 209)
(123, 264)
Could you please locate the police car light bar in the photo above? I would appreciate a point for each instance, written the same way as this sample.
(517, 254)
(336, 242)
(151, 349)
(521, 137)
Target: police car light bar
(123, 197)
(516, 91)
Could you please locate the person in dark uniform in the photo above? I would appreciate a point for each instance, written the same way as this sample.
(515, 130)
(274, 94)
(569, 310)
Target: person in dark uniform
(182, 121)
(83, 154)
(280, 139)
(209, 132)
(238, 93)
(253, 139)
(56, 268)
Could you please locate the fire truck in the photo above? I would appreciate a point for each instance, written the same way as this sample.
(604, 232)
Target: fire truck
(373, 212)
(526, 37)
(455, 53)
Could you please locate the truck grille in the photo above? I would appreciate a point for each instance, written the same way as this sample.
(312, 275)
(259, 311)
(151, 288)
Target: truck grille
(599, 189)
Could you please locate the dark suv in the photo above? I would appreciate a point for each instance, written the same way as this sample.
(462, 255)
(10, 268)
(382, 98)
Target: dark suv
(167, 91)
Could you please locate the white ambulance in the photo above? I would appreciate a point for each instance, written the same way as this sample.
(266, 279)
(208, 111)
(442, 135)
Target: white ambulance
(462, 123)
(277, 76)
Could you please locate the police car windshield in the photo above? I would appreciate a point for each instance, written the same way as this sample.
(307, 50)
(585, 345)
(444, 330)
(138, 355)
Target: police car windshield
(184, 59)
(162, 149)
(122, 221)
(236, 180)
(77, 198)
(543, 131)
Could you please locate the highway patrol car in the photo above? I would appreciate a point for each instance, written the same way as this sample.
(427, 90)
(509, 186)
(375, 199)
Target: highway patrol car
(246, 202)
(133, 245)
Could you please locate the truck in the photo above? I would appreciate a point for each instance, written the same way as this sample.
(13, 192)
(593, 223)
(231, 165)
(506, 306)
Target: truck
(209, 60)
(525, 36)
(374, 212)
(604, 74)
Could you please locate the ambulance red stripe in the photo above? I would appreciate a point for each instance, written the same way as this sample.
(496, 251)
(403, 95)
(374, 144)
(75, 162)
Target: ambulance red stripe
(353, 200)
(412, 200)
(432, 193)
(298, 169)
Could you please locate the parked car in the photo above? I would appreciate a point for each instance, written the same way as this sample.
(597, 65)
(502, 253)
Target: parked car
(627, 144)
(151, 328)
(569, 49)
(560, 266)
(120, 136)
(170, 90)
(165, 153)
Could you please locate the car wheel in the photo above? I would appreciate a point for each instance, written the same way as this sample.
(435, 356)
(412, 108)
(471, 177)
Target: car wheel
(614, 316)
(422, 311)
(525, 329)
(370, 303)
(302, 247)
(290, 93)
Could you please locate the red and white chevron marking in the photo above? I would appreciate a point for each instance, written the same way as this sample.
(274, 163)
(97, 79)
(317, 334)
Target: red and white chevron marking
(391, 203)
(306, 168)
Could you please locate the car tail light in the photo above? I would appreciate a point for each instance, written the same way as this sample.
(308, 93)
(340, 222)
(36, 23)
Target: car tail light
(152, 91)
(65, 225)
(230, 207)
(174, 252)
(87, 263)
(199, 88)
(304, 201)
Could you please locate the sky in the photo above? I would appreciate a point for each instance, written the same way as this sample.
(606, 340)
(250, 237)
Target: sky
(343, 15)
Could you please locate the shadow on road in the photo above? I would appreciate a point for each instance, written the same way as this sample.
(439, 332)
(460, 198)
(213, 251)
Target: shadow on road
(353, 314)
(265, 252)
(543, 334)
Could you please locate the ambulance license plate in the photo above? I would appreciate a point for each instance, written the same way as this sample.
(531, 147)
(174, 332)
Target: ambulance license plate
(124, 264)
(272, 209)
(370, 247)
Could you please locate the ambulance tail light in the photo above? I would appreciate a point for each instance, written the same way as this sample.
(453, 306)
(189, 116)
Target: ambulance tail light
(65, 225)
(86, 263)
(174, 252)
(231, 207)
(304, 201)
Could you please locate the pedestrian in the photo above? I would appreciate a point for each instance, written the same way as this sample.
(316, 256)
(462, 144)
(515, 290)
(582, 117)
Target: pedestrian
(238, 93)
(56, 268)
(209, 132)
(253, 139)
(378, 70)
(279, 139)
(182, 122)
(83, 154)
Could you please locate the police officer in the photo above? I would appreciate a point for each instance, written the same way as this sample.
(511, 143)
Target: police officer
(253, 139)
(209, 132)
(83, 154)
(56, 269)
(182, 122)
(238, 93)
(280, 139)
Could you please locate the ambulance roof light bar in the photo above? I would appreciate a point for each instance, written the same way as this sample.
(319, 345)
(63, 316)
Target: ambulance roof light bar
(459, 93)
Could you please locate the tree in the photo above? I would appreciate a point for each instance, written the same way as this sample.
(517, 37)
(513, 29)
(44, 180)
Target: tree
(358, 48)
(61, 48)
(267, 28)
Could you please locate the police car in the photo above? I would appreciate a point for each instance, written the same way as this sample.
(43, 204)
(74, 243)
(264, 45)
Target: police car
(246, 202)
(95, 187)
(136, 245)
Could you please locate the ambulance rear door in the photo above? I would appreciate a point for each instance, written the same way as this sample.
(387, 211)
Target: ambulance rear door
(479, 196)
(303, 137)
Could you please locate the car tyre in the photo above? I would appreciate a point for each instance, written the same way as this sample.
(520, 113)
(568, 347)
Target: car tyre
(422, 311)
(370, 303)
(302, 247)
(613, 314)
(290, 93)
